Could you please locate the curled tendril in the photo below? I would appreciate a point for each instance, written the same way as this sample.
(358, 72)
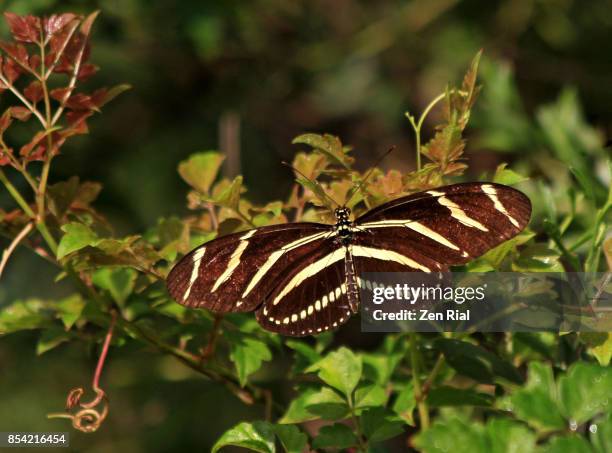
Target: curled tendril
(89, 417)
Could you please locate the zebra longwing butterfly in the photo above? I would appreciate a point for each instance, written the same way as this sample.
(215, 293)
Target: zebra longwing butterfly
(302, 278)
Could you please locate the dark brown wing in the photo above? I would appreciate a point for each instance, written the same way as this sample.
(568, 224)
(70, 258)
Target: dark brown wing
(448, 225)
(313, 296)
(236, 272)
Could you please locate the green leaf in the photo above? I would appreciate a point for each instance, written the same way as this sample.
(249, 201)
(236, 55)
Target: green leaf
(450, 396)
(337, 436)
(200, 170)
(380, 424)
(378, 367)
(257, 436)
(327, 404)
(506, 176)
(24, 315)
(584, 391)
(599, 345)
(601, 435)
(291, 438)
(315, 403)
(568, 444)
(247, 353)
(372, 395)
(476, 362)
(327, 144)
(317, 189)
(305, 355)
(113, 92)
(506, 436)
(50, 338)
(70, 309)
(452, 435)
(118, 281)
(569, 135)
(536, 402)
(405, 403)
(77, 237)
(61, 195)
(229, 196)
(340, 369)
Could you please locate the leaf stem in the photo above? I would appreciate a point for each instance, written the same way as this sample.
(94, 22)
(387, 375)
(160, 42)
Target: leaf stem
(417, 125)
(363, 444)
(13, 245)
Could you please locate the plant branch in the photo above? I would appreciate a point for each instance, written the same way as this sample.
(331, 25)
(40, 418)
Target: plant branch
(16, 195)
(60, 52)
(13, 245)
(71, 84)
(432, 375)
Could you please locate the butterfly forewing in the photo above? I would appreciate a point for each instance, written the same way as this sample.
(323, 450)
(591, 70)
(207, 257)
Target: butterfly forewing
(452, 224)
(235, 272)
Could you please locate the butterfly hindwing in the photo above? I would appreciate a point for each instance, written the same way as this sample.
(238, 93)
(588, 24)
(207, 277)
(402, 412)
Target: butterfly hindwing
(313, 296)
(236, 272)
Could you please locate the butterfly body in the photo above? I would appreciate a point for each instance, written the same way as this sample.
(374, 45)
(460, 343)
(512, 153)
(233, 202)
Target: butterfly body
(305, 278)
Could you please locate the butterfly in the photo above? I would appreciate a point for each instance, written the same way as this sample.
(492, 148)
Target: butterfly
(303, 278)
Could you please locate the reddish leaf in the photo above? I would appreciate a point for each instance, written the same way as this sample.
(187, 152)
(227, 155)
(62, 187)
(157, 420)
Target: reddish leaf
(4, 157)
(5, 120)
(80, 101)
(56, 22)
(87, 70)
(77, 121)
(17, 52)
(11, 70)
(34, 149)
(20, 113)
(34, 61)
(59, 93)
(34, 92)
(24, 28)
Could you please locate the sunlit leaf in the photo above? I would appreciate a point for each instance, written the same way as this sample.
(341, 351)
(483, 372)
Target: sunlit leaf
(257, 436)
(200, 170)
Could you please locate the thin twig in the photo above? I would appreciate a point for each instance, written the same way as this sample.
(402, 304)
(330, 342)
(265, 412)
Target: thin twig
(24, 101)
(432, 375)
(61, 50)
(71, 84)
(209, 350)
(213, 215)
(13, 245)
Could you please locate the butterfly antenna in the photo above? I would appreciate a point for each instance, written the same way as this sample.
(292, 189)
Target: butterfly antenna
(288, 165)
(358, 187)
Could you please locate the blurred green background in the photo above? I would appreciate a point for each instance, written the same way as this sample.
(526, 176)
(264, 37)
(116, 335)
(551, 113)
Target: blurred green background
(246, 77)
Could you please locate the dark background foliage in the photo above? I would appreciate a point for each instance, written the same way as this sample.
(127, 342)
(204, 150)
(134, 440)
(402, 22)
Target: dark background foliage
(247, 77)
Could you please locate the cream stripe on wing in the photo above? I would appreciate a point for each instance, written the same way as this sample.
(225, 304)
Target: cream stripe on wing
(492, 194)
(386, 255)
(197, 259)
(274, 257)
(416, 226)
(309, 271)
(456, 211)
(234, 260)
